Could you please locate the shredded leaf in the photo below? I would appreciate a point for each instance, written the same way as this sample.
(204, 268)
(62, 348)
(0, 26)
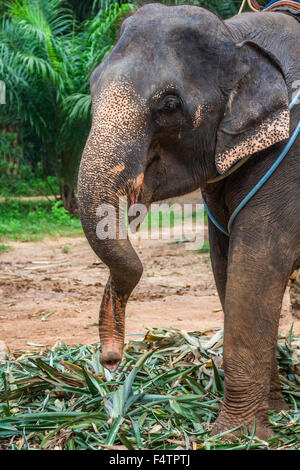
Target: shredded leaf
(167, 390)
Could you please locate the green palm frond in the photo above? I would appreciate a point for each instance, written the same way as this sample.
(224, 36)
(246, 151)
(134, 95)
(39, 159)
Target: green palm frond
(102, 32)
(223, 8)
(43, 18)
(46, 58)
(78, 106)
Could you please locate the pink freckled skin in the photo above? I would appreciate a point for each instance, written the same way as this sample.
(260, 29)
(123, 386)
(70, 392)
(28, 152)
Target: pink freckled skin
(270, 132)
(136, 189)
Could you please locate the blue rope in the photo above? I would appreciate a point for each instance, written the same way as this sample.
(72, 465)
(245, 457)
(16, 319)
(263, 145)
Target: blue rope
(276, 1)
(265, 178)
(212, 218)
(261, 182)
(269, 4)
(295, 100)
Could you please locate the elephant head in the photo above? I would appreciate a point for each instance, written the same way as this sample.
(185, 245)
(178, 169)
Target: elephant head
(177, 102)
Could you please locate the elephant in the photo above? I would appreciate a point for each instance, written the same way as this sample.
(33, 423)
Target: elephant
(185, 101)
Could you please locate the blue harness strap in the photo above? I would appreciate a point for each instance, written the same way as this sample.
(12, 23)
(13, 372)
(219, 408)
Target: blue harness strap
(278, 1)
(261, 182)
(289, 7)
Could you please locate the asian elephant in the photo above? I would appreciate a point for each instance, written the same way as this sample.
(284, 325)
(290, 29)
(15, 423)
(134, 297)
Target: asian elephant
(183, 98)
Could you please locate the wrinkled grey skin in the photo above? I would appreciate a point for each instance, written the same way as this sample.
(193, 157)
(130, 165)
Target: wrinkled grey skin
(181, 99)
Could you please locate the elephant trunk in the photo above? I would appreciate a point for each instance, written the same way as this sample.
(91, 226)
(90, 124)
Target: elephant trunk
(112, 167)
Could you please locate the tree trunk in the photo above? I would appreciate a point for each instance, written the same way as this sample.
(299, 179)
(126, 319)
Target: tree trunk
(69, 199)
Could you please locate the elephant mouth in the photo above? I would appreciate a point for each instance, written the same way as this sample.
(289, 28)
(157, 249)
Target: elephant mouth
(142, 191)
(155, 157)
(139, 202)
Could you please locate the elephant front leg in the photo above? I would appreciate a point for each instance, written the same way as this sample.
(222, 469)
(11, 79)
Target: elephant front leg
(295, 293)
(219, 258)
(256, 280)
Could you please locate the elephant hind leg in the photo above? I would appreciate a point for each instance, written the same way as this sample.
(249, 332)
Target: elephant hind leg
(295, 293)
(276, 400)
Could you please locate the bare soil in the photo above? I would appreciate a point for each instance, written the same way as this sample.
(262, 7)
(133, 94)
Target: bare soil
(52, 290)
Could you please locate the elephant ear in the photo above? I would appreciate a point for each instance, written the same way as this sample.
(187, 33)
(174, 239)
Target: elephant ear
(257, 113)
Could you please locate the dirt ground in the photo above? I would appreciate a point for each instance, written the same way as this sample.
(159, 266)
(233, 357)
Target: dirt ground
(52, 290)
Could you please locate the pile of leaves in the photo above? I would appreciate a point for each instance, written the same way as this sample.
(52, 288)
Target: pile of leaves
(165, 395)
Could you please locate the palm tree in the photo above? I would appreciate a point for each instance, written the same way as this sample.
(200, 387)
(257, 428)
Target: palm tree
(46, 57)
(45, 60)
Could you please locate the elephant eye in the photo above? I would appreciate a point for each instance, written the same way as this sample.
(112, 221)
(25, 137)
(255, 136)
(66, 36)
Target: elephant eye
(168, 110)
(170, 104)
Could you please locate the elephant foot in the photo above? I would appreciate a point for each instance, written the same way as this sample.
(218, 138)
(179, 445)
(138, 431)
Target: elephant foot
(276, 401)
(296, 311)
(278, 404)
(224, 423)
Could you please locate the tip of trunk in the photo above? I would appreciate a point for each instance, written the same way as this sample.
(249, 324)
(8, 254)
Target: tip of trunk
(110, 360)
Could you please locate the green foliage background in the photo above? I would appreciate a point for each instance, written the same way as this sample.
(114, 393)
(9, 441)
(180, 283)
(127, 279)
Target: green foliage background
(48, 50)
